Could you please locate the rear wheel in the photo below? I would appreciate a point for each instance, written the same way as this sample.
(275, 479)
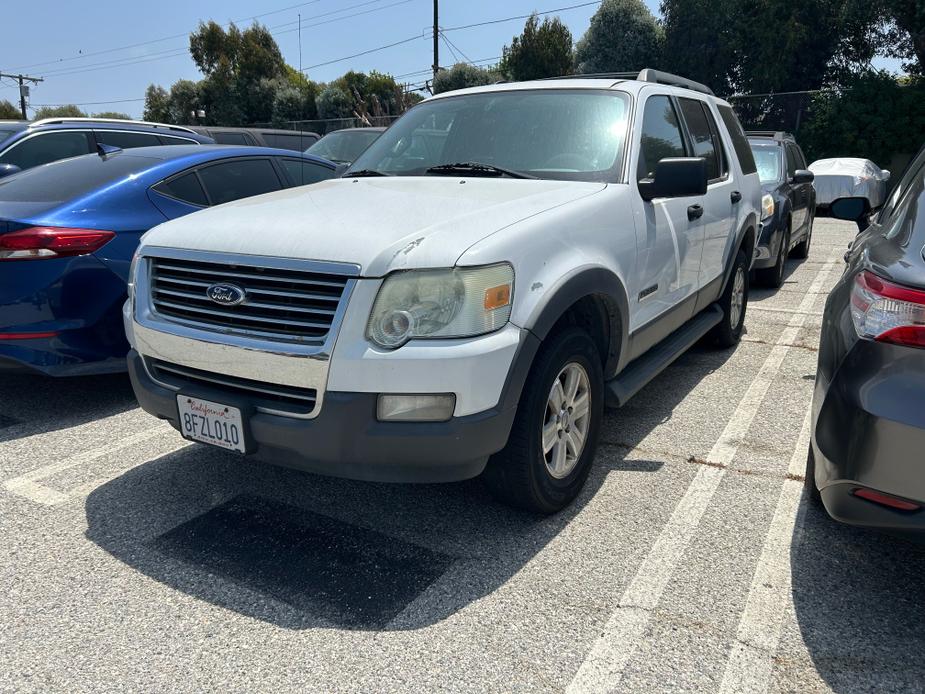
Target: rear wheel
(801, 250)
(554, 436)
(733, 302)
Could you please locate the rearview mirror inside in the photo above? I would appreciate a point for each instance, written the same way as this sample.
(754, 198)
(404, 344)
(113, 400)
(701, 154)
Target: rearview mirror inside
(676, 177)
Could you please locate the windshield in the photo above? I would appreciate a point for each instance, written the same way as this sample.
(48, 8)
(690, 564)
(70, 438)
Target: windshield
(343, 147)
(550, 133)
(767, 159)
(69, 178)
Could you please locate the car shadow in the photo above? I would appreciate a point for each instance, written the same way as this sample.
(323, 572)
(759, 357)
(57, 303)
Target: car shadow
(858, 599)
(302, 551)
(32, 404)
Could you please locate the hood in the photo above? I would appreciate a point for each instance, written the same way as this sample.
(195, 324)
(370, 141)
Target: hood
(380, 224)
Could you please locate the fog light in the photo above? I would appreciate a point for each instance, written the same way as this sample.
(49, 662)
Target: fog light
(416, 408)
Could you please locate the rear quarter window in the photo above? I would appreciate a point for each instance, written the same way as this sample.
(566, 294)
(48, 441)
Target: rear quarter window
(739, 141)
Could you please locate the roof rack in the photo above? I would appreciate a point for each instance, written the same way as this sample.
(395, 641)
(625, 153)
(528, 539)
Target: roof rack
(776, 134)
(50, 121)
(645, 75)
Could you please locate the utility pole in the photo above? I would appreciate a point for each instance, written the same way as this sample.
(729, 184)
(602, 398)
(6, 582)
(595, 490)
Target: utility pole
(22, 79)
(436, 38)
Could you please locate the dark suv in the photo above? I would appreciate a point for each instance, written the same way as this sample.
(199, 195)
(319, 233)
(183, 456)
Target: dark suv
(787, 206)
(25, 144)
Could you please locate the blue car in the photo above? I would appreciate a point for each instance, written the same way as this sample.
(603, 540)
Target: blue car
(68, 231)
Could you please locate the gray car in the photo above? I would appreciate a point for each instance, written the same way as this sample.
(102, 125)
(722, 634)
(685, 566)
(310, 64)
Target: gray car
(295, 140)
(868, 419)
(344, 146)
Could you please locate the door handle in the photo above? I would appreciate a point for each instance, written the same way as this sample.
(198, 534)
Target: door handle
(735, 196)
(694, 212)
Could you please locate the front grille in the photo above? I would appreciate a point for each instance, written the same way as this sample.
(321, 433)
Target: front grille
(271, 397)
(291, 304)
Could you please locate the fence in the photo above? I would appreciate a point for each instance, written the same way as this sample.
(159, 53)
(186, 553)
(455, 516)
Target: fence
(323, 126)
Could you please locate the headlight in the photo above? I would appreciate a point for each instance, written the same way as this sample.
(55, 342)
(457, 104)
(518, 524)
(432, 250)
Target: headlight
(767, 207)
(456, 302)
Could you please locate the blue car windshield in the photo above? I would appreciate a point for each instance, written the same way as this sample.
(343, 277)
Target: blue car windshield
(767, 159)
(69, 178)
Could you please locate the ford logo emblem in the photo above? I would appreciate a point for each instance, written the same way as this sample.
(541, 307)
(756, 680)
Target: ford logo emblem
(225, 294)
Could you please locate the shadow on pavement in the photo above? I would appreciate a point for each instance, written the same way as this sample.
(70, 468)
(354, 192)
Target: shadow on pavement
(32, 404)
(858, 596)
(301, 551)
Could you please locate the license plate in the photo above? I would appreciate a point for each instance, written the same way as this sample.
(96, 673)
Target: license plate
(211, 422)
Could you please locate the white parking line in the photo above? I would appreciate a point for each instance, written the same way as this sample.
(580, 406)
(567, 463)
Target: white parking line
(751, 658)
(603, 668)
(28, 485)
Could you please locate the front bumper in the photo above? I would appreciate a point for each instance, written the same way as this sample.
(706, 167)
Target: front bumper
(768, 245)
(869, 431)
(346, 440)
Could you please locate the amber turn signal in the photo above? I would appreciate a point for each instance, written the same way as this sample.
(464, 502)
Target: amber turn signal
(496, 297)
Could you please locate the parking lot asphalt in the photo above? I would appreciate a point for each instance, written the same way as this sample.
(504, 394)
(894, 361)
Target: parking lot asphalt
(132, 560)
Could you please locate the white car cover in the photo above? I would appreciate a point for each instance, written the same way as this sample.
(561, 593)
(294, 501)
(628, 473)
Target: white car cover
(845, 177)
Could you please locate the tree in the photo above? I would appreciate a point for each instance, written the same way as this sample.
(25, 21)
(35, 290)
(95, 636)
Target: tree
(698, 42)
(623, 36)
(542, 50)
(874, 117)
(184, 99)
(118, 115)
(463, 75)
(905, 32)
(8, 111)
(333, 102)
(63, 111)
(157, 104)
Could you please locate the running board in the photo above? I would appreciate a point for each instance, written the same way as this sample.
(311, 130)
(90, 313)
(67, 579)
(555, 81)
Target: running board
(642, 370)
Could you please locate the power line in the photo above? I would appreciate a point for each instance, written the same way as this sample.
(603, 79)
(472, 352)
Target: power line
(453, 45)
(416, 37)
(522, 16)
(90, 103)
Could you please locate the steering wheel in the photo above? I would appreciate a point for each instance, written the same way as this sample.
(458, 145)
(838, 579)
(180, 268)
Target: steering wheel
(569, 160)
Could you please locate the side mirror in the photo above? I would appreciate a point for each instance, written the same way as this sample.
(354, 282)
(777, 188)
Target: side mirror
(8, 170)
(803, 176)
(849, 209)
(885, 174)
(676, 177)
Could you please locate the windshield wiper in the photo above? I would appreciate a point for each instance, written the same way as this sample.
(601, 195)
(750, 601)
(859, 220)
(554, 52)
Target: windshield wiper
(364, 172)
(474, 167)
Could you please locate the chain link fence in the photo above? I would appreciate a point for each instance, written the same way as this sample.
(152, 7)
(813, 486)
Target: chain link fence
(323, 126)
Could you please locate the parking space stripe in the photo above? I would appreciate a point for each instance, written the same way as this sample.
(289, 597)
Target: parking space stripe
(603, 668)
(28, 485)
(750, 664)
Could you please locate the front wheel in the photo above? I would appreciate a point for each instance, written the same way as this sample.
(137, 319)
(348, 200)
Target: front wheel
(554, 437)
(733, 302)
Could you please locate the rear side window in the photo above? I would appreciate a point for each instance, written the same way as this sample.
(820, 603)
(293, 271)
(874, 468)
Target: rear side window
(739, 141)
(47, 147)
(295, 142)
(238, 179)
(231, 138)
(301, 173)
(186, 188)
(127, 139)
(175, 140)
(702, 136)
(661, 135)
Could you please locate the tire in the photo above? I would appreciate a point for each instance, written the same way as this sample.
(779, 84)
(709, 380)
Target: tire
(729, 331)
(773, 277)
(801, 250)
(523, 474)
(809, 479)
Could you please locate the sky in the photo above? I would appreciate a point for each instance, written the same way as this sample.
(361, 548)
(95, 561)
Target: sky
(104, 56)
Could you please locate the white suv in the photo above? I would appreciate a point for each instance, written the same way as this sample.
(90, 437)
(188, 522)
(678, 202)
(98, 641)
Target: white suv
(500, 264)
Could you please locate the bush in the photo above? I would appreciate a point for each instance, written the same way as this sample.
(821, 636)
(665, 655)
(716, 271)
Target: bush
(623, 37)
(463, 75)
(333, 102)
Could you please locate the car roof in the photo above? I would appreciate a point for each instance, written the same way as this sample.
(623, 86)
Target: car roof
(29, 127)
(772, 135)
(369, 129)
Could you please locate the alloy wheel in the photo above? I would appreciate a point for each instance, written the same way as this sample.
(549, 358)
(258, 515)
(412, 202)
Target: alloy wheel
(567, 419)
